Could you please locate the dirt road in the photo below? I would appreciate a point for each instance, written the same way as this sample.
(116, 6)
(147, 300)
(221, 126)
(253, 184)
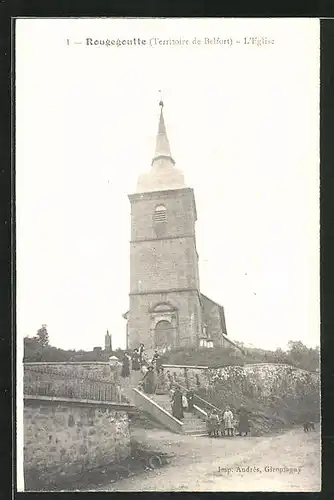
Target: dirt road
(285, 462)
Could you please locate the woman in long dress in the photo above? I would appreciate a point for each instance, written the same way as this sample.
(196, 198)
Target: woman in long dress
(135, 360)
(125, 366)
(177, 409)
(155, 359)
(149, 381)
(141, 353)
(244, 426)
(228, 421)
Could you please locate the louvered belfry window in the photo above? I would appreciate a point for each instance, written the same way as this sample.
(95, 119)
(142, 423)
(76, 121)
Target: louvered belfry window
(160, 214)
(160, 219)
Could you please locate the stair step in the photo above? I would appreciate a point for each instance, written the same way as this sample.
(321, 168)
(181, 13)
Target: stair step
(194, 427)
(197, 434)
(194, 424)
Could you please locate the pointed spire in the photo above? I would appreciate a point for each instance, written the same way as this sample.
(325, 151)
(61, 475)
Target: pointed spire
(162, 148)
(107, 342)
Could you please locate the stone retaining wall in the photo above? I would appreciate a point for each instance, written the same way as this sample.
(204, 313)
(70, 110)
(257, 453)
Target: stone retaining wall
(287, 393)
(259, 379)
(65, 439)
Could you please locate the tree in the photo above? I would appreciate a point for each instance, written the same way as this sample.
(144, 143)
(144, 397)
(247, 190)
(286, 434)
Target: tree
(42, 336)
(303, 356)
(32, 349)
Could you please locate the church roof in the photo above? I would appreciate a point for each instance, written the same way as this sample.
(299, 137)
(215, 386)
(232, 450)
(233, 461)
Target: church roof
(163, 174)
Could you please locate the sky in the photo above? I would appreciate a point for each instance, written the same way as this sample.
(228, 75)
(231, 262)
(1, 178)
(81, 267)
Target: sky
(243, 126)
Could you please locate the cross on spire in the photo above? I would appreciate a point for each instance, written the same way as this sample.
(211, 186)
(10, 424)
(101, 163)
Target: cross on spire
(161, 103)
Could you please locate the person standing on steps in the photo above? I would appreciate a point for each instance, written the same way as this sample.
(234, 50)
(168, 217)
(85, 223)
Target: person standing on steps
(149, 381)
(135, 360)
(190, 399)
(125, 366)
(228, 421)
(158, 363)
(141, 353)
(154, 359)
(144, 367)
(184, 403)
(177, 409)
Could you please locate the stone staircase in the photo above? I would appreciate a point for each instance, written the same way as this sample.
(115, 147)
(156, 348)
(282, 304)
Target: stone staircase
(192, 425)
(128, 383)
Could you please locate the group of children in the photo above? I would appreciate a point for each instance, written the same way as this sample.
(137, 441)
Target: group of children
(226, 424)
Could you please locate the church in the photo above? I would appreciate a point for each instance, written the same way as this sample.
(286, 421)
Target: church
(166, 307)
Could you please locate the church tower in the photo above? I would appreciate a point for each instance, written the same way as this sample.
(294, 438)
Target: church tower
(165, 301)
(107, 342)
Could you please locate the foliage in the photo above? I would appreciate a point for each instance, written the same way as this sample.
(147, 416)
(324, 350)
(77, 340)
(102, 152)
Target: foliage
(274, 395)
(304, 357)
(203, 357)
(297, 355)
(42, 336)
(38, 349)
(34, 347)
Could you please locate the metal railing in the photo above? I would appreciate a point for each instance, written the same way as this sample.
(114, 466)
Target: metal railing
(198, 399)
(41, 381)
(60, 370)
(80, 389)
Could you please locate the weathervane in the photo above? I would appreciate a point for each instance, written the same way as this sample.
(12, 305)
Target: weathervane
(161, 103)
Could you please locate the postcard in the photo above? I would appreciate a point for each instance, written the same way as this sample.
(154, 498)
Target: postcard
(167, 235)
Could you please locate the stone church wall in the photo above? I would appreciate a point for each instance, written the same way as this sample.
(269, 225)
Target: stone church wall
(166, 263)
(163, 264)
(180, 213)
(140, 320)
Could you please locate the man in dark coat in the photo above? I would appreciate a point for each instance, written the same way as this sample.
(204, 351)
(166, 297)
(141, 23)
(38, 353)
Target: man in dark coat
(190, 399)
(149, 381)
(158, 363)
(244, 427)
(177, 408)
(125, 366)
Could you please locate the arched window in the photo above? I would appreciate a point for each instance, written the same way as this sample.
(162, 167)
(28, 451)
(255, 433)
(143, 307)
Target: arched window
(160, 214)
